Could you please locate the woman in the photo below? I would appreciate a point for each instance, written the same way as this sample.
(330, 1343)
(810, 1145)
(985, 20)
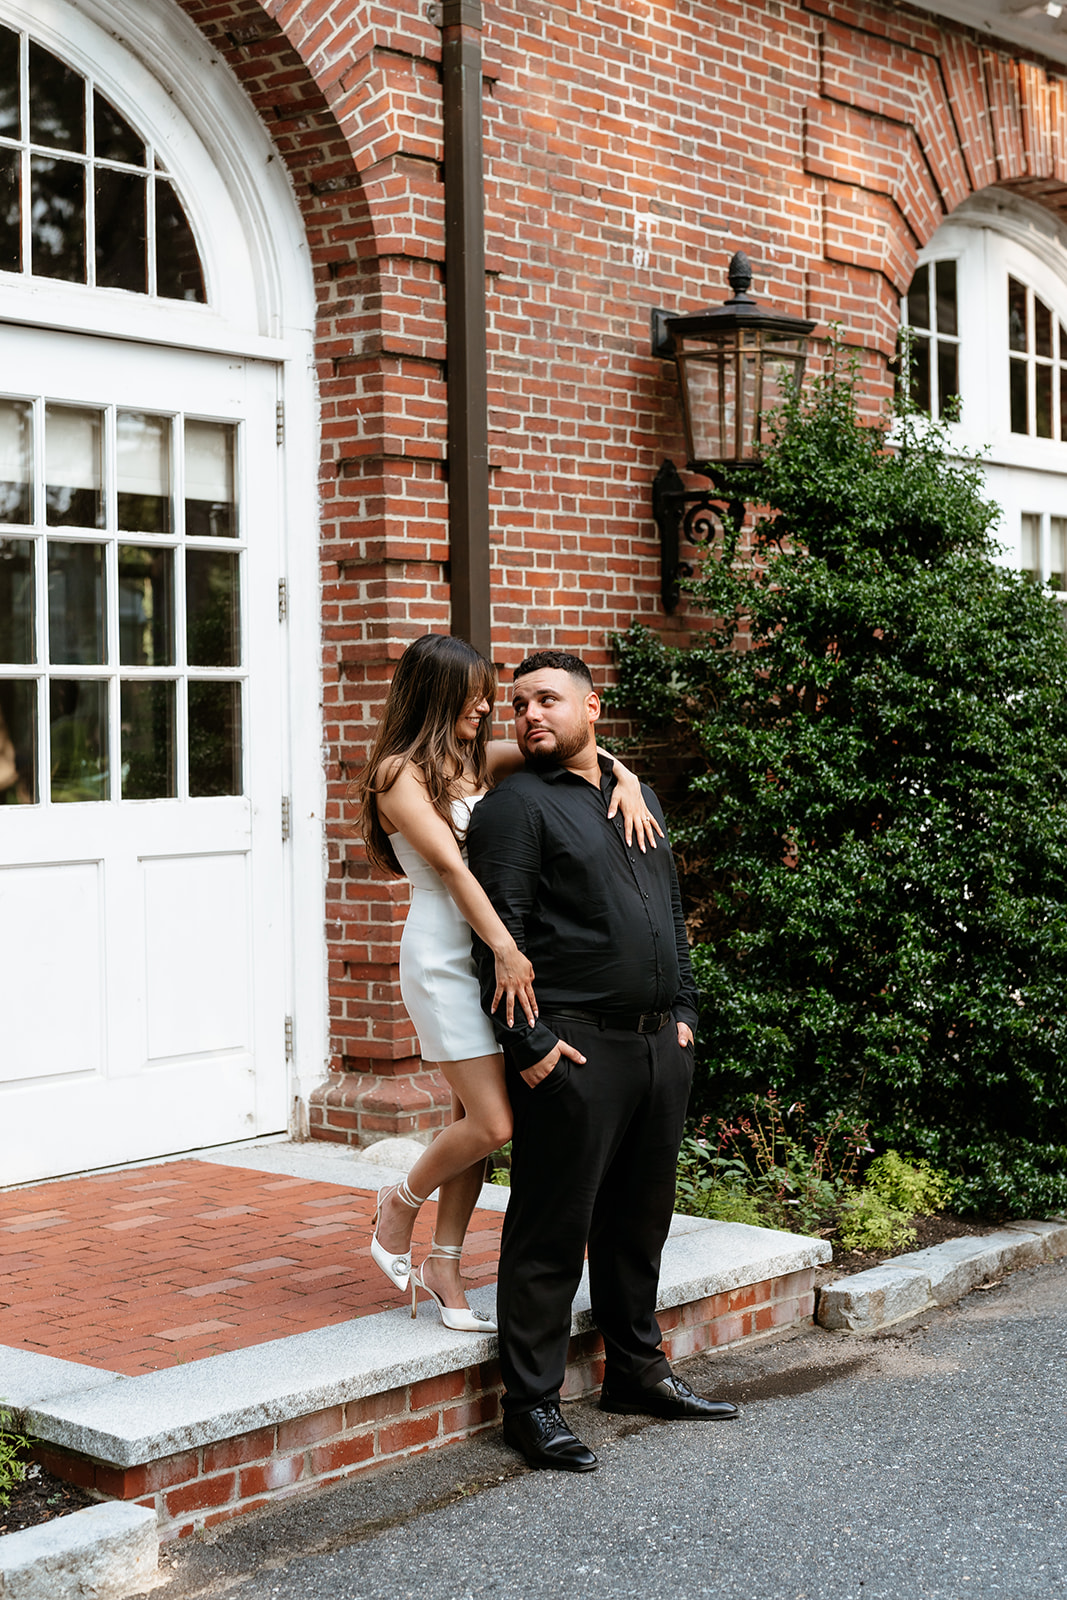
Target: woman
(431, 763)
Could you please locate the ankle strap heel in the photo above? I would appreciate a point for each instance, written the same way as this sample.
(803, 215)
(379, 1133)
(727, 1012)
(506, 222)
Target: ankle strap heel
(459, 1320)
(396, 1268)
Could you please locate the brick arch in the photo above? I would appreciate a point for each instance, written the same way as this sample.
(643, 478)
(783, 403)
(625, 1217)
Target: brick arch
(914, 115)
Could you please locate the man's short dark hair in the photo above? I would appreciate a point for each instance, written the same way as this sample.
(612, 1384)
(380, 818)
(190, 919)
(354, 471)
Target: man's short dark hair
(560, 660)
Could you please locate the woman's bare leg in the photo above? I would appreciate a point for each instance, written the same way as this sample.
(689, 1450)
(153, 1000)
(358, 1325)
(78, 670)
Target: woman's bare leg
(454, 1164)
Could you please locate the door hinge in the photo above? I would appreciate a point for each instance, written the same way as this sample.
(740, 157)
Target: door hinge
(283, 599)
(287, 818)
(279, 422)
(288, 1038)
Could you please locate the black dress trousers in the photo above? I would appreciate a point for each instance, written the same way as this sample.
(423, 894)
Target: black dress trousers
(594, 1158)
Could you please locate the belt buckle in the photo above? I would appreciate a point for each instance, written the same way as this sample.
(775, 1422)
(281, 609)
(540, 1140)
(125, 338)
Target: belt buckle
(650, 1022)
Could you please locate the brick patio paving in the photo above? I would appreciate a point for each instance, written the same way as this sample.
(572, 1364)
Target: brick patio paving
(156, 1266)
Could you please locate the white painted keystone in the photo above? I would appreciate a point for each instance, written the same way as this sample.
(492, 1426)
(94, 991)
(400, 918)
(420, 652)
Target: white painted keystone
(108, 1551)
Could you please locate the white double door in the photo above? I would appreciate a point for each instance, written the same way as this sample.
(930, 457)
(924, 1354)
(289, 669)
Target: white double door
(143, 966)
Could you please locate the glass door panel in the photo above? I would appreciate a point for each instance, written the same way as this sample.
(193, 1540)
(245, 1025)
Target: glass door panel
(18, 742)
(210, 509)
(16, 601)
(79, 742)
(143, 472)
(16, 461)
(77, 617)
(146, 606)
(149, 768)
(213, 608)
(74, 468)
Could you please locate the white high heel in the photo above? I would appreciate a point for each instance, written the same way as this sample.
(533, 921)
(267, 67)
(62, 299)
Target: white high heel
(396, 1268)
(460, 1321)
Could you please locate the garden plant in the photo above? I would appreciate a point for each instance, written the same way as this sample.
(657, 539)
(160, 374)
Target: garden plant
(872, 839)
(13, 1456)
(767, 1167)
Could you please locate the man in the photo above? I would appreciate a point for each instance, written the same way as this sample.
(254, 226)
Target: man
(599, 1083)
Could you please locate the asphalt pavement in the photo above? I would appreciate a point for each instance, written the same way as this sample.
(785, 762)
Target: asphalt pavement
(928, 1462)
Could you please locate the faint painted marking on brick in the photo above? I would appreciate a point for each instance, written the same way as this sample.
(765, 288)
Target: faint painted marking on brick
(320, 1233)
(193, 1330)
(216, 1288)
(265, 1266)
(314, 1273)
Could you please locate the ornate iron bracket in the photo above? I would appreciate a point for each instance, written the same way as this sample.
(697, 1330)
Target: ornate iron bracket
(693, 514)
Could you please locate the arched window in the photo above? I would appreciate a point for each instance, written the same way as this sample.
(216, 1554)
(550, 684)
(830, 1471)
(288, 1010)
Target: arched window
(83, 197)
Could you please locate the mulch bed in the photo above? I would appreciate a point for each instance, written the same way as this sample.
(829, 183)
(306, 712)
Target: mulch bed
(928, 1231)
(42, 1497)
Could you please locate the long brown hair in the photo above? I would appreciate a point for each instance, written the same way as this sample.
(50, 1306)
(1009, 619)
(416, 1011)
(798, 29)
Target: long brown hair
(435, 679)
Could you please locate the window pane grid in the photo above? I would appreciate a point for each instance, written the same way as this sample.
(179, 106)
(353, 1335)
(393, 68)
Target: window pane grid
(1043, 549)
(930, 309)
(119, 681)
(86, 199)
(1037, 365)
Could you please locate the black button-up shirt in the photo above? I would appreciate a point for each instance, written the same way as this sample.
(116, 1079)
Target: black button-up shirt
(601, 922)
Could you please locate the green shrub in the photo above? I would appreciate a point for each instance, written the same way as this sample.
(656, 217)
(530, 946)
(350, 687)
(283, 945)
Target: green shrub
(867, 1221)
(500, 1166)
(911, 1186)
(873, 840)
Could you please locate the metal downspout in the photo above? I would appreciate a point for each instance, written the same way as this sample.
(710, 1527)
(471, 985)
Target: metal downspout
(468, 427)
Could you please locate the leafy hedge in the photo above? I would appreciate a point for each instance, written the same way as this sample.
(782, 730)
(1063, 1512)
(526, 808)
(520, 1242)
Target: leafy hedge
(873, 841)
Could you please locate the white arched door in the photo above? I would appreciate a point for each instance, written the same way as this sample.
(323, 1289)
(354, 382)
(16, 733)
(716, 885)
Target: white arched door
(145, 948)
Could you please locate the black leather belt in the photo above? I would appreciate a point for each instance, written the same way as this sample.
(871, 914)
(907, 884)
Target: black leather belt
(626, 1022)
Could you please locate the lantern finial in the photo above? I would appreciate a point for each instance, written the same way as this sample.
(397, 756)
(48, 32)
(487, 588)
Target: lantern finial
(740, 274)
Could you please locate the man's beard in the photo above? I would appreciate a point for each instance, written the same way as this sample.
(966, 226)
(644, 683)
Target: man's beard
(566, 745)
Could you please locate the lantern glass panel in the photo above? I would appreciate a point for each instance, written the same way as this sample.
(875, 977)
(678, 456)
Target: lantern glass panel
(782, 369)
(728, 381)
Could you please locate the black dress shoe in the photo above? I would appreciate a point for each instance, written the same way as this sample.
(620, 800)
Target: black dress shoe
(542, 1436)
(671, 1398)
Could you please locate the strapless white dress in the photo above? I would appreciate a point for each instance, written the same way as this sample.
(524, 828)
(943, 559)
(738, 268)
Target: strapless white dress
(438, 983)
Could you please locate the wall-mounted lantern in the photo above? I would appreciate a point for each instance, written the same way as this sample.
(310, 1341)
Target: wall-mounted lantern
(734, 362)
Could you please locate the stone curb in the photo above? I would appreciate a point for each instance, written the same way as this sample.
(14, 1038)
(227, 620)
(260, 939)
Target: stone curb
(912, 1283)
(108, 1551)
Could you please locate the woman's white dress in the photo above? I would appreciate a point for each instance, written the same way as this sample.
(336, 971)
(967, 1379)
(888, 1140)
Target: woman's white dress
(438, 983)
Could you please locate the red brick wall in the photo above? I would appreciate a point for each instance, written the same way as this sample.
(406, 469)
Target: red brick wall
(629, 151)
